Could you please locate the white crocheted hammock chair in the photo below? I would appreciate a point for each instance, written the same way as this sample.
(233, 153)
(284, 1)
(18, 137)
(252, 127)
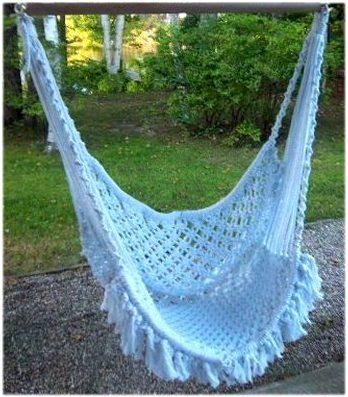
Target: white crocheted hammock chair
(209, 294)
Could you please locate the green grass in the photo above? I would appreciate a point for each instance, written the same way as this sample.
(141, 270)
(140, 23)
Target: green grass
(152, 160)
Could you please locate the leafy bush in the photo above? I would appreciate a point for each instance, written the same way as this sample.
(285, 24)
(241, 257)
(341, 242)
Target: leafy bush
(158, 70)
(92, 77)
(246, 133)
(227, 70)
(113, 83)
(334, 56)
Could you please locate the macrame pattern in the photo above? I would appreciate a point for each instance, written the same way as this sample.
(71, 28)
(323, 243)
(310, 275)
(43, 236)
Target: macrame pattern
(209, 294)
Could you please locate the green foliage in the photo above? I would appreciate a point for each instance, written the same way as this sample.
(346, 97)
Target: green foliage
(28, 102)
(85, 36)
(246, 133)
(18, 96)
(233, 68)
(139, 32)
(158, 70)
(227, 70)
(134, 87)
(220, 72)
(84, 33)
(113, 83)
(32, 107)
(87, 29)
(91, 76)
(334, 55)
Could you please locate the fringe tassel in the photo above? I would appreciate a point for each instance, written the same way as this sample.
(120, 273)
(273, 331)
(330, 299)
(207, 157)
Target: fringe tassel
(164, 361)
(181, 363)
(150, 348)
(211, 374)
(129, 343)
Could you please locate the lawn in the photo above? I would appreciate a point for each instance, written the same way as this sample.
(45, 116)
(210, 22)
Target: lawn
(152, 159)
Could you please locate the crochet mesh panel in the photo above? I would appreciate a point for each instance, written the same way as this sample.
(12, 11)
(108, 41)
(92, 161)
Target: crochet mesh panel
(195, 249)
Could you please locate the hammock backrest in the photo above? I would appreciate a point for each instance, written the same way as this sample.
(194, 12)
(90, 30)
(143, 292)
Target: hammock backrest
(192, 242)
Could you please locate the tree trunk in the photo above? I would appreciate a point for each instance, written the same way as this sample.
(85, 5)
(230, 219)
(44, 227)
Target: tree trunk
(205, 19)
(113, 50)
(117, 55)
(12, 78)
(40, 125)
(172, 19)
(63, 45)
(52, 36)
(53, 53)
(105, 21)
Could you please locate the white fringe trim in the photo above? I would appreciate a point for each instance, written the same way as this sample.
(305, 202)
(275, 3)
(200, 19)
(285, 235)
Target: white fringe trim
(140, 340)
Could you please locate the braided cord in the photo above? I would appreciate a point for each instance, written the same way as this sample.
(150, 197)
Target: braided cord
(289, 91)
(285, 228)
(302, 206)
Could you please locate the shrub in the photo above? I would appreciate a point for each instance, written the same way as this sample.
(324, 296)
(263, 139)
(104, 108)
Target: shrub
(246, 133)
(92, 77)
(226, 70)
(113, 83)
(157, 70)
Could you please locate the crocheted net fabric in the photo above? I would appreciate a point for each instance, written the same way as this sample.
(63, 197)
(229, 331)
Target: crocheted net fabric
(209, 294)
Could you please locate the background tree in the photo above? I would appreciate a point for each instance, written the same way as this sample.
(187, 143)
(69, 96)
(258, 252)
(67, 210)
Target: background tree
(113, 47)
(172, 19)
(119, 29)
(34, 114)
(54, 55)
(226, 73)
(63, 45)
(105, 21)
(207, 18)
(12, 78)
(21, 102)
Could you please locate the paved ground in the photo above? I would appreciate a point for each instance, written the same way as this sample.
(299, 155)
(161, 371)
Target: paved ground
(56, 340)
(327, 380)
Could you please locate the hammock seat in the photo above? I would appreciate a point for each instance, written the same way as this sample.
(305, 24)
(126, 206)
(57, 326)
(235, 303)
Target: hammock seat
(209, 294)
